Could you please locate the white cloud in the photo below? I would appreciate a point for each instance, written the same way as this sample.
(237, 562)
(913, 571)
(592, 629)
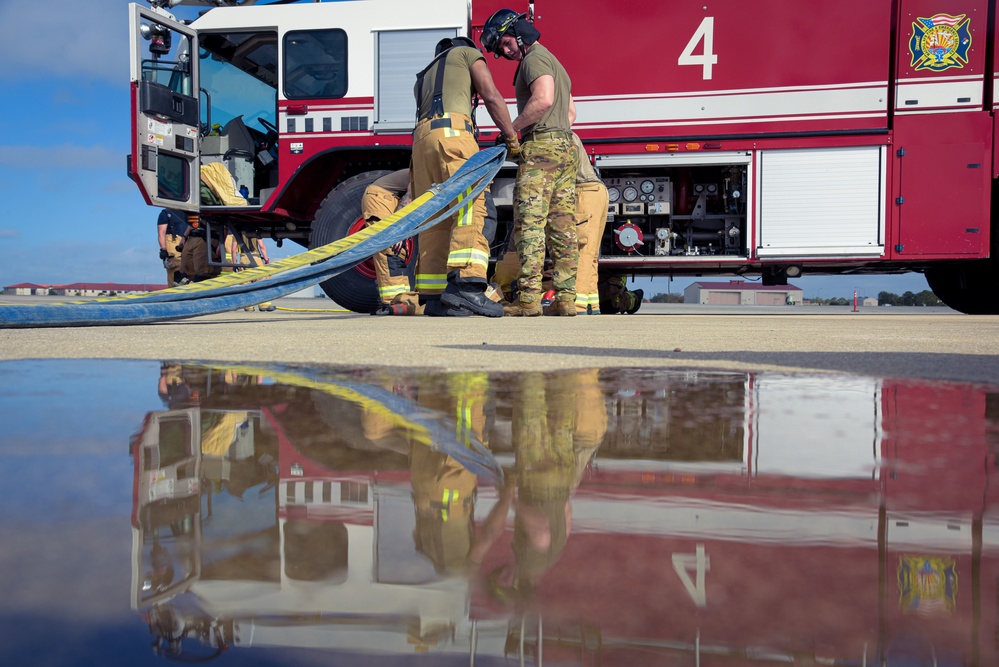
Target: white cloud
(68, 38)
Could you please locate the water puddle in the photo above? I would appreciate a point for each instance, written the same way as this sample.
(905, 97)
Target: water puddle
(288, 515)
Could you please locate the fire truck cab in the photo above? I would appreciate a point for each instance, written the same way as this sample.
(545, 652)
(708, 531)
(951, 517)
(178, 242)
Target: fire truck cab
(777, 139)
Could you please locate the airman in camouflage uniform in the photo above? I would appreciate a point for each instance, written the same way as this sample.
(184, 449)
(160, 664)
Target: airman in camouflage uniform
(545, 192)
(545, 182)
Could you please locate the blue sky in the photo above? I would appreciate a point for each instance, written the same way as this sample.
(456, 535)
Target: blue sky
(71, 214)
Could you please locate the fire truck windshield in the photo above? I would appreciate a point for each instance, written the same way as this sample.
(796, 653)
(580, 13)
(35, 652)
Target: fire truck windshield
(239, 77)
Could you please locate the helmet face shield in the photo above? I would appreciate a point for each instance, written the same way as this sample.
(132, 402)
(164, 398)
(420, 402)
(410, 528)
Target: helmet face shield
(490, 39)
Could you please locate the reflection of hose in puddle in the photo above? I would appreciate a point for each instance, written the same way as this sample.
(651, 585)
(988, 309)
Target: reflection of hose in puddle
(423, 425)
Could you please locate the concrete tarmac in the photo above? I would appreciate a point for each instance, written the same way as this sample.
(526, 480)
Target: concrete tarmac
(929, 343)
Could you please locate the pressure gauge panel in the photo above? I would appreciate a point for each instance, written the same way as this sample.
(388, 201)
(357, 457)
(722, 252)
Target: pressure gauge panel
(655, 190)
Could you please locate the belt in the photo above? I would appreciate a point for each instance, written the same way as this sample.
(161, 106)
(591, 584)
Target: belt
(549, 134)
(449, 123)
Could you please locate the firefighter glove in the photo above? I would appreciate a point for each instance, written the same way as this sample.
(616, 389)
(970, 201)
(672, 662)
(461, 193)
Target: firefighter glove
(512, 147)
(163, 253)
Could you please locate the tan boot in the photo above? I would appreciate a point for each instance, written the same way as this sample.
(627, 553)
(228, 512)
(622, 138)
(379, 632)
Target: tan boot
(562, 308)
(521, 309)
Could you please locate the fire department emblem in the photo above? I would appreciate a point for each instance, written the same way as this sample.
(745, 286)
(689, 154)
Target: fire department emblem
(940, 42)
(927, 585)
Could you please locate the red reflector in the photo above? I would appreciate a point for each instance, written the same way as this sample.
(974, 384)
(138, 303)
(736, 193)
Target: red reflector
(713, 144)
(298, 110)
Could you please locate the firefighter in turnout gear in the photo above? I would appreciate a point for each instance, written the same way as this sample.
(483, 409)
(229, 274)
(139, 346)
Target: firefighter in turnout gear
(591, 218)
(380, 200)
(545, 192)
(454, 255)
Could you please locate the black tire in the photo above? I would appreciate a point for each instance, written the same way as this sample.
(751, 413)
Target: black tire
(968, 287)
(355, 288)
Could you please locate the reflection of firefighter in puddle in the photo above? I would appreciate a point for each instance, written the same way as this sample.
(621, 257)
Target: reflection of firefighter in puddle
(172, 388)
(558, 422)
(444, 491)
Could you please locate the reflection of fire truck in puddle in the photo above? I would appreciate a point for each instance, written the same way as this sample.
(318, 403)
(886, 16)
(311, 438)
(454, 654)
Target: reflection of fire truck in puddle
(796, 519)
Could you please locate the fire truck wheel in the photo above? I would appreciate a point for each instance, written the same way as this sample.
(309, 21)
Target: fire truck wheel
(968, 287)
(339, 216)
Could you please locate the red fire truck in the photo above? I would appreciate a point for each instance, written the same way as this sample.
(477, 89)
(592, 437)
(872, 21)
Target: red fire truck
(774, 138)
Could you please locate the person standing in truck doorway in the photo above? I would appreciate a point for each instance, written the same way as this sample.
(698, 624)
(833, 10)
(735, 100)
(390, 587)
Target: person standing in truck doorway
(196, 260)
(544, 196)
(454, 255)
(171, 226)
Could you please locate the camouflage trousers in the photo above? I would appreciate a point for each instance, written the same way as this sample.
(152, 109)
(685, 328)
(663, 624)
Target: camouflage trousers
(544, 203)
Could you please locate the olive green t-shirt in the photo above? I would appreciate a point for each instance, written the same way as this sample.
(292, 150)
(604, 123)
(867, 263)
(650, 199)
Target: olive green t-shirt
(585, 173)
(457, 87)
(538, 62)
(397, 182)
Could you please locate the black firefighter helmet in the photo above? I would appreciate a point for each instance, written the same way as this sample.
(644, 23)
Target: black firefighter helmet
(451, 42)
(497, 26)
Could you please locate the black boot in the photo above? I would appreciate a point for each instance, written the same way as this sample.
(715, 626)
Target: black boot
(434, 307)
(469, 293)
(636, 296)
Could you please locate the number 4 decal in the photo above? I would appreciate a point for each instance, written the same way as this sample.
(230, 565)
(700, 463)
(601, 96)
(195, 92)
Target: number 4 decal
(704, 33)
(699, 563)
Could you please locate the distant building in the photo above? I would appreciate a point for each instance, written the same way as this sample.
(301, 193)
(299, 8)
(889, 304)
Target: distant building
(26, 289)
(82, 289)
(742, 293)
